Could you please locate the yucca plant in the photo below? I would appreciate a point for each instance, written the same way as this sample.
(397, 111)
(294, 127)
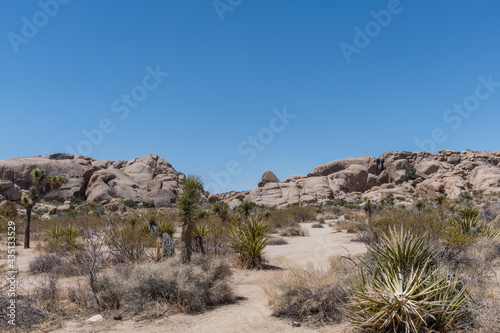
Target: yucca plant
(71, 234)
(166, 226)
(405, 290)
(246, 207)
(144, 229)
(54, 232)
(248, 239)
(222, 210)
(54, 235)
(468, 222)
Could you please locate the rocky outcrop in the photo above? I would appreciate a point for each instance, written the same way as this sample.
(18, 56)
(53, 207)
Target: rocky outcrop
(381, 178)
(268, 177)
(9, 190)
(151, 178)
(145, 178)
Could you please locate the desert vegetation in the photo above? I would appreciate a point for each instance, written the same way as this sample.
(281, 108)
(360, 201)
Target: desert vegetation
(429, 267)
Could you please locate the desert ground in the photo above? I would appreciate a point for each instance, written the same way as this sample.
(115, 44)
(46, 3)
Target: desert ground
(250, 313)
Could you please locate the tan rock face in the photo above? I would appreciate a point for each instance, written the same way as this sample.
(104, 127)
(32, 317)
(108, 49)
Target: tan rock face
(447, 172)
(8, 209)
(268, 177)
(97, 181)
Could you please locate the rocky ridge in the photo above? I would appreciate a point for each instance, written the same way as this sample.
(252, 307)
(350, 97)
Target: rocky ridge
(145, 178)
(380, 178)
(151, 178)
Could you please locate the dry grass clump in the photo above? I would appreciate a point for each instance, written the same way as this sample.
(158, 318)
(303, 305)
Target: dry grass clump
(49, 263)
(320, 218)
(189, 288)
(289, 217)
(317, 225)
(295, 230)
(277, 241)
(309, 294)
(35, 307)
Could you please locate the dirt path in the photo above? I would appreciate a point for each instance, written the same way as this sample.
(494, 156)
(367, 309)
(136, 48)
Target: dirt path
(250, 313)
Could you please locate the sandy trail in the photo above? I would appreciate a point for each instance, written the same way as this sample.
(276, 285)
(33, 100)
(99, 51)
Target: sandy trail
(250, 313)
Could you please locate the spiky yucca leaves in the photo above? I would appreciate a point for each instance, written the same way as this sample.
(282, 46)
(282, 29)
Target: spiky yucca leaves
(222, 210)
(405, 291)
(166, 226)
(440, 199)
(71, 234)
(246, 207)
(468, 222)
(188, 206)
(248, 239)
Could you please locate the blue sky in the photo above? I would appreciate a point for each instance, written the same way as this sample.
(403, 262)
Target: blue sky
(233, 66)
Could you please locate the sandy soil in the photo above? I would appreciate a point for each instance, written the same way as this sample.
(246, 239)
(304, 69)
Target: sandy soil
(250, 313)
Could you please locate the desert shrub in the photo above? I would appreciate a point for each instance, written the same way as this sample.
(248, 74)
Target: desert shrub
(248, 240)
(293, 231)
(317, 225)
(320, 218)
(430, 222)
(48, 263)
(276, 241)
(148, 204)
(34, 305)
(108, 292)
(287, 217)
(411, 172)
(191, 287)
(344, 203)
(127, 242)
(131, 203)
(308, 295)
(405, 290)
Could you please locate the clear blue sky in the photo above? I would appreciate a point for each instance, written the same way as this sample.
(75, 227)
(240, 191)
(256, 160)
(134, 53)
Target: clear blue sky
(74, 72)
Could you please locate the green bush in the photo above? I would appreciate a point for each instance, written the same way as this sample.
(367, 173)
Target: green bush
(410, 172)
(148, 204)
(130, 203)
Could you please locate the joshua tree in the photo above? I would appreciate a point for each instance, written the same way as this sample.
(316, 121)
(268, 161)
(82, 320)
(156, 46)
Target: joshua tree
(43, 185)
(188, 205)
(368, 206)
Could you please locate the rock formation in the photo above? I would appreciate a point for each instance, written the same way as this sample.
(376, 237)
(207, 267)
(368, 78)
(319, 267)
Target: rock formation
(380, 178)
(145, 178)
(152, 178)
